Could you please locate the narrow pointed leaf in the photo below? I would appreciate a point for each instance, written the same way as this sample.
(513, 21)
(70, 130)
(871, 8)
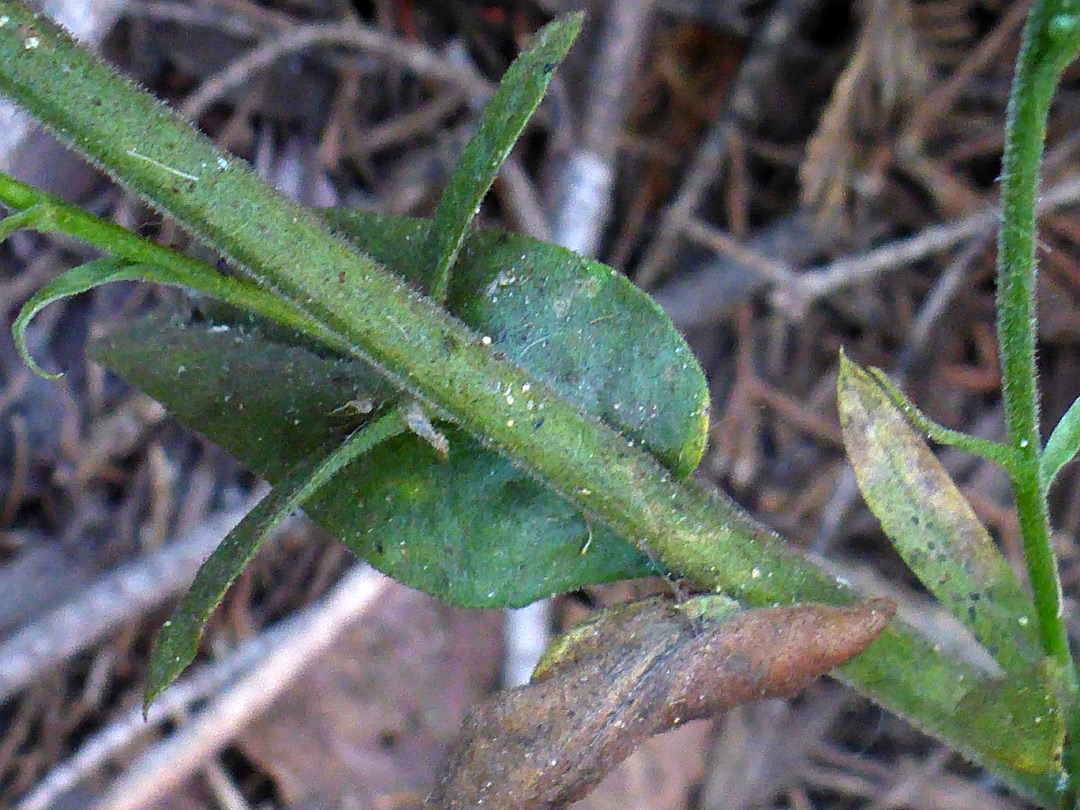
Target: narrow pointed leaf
(178, 641)
(76, 280)
(930, 522)
(518, 94)
(1062, 445)
(988, 449)
(35, 218)
(193, 275)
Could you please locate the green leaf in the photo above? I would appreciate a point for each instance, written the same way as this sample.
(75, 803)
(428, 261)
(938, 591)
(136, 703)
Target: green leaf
(36, 217)
(707, 538)
(518, 94)
(1026, 703)
(931, 523)
(474, 529)
(990, 450)
(576, 322)
(191, 274)
(178, 641)
(573, 322)
(76, 280)
(1062, 445)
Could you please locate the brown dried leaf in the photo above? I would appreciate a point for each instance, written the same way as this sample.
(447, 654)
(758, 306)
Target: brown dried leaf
(638, 670)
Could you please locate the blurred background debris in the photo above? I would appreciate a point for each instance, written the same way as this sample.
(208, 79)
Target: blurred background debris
(786, 176)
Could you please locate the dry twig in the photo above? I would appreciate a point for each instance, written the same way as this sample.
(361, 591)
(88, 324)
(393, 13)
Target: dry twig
(740, 110)
(168, 764)
(207, 680)
(795, 299)
(123, 596)
(420, 60)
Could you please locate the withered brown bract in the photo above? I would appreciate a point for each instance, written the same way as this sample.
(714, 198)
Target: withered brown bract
(635, 671)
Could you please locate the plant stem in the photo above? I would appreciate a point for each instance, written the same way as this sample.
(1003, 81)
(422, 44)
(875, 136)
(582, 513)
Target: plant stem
(1038, 70)
(60, 217)
(416, 343)
(992, 451)
(1051, 41)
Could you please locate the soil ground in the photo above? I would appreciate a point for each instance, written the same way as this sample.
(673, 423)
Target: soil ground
(787, 177)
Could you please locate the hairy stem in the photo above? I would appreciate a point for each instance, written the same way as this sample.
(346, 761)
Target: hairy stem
(1038, 70)
(1051, 41)
(415, 342)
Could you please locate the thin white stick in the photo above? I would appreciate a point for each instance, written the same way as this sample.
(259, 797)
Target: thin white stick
(166, 766)
(228, 795)
(124, 595)
(205, 680)
(586, 179)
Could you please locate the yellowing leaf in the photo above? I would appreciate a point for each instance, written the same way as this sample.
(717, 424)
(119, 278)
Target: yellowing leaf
(930, 522)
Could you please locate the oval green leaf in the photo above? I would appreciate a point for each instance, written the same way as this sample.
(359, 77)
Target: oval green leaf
(574, 323)
(473, 530)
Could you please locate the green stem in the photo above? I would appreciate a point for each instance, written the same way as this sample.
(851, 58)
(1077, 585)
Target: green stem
(1051, 41)
(57, 216)
(415, 342)
(991, 450)
(1042, 59)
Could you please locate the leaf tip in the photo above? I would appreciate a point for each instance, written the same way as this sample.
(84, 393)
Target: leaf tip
(561, 32)
(174, 649)
(847, 370)
(879, 610)
(847, 365)
(149, 696)
(577, 18)
(18, 333)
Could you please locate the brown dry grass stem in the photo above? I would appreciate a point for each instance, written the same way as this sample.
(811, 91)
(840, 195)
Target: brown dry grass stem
(766, 50)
